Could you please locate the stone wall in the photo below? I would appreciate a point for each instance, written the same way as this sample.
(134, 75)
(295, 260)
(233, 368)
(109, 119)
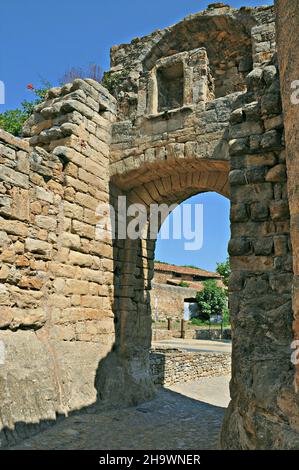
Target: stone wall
(176, 366)
(261, 281)
(244, 128)
(213, 334)
(288, 44)
(159, 334)
(169, 301)
(56, 278)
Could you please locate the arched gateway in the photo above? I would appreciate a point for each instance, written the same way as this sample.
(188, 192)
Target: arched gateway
(196, 108)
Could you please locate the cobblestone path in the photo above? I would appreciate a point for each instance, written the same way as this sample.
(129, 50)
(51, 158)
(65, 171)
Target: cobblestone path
(170, 421)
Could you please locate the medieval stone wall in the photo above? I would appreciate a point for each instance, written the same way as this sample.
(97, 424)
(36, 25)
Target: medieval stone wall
(261, 281)
(245, 128)
(56, 277)
(288, 45)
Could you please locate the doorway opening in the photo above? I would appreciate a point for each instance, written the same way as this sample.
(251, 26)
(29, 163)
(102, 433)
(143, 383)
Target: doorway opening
(196, 348)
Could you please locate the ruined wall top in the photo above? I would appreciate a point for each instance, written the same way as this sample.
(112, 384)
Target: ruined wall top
(217, 16)
(176, 88)
(235, 42)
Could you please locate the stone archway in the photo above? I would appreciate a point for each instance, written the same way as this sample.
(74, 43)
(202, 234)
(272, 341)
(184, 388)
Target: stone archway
(248, 145)
(133, 268)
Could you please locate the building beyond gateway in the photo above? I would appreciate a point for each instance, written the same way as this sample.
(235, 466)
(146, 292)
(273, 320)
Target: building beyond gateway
(174, 290)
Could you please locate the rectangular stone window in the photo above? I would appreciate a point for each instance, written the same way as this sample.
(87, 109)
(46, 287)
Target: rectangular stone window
(170, 81)
(176, 81)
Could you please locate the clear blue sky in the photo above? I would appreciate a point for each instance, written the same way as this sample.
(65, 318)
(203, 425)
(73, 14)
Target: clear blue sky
(216, 234)
(43, 39)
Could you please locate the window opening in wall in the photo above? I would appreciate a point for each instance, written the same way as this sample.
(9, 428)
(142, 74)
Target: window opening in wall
(170, 87)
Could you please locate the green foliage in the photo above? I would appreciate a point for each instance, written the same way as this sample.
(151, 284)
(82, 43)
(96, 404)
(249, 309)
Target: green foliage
(190, 266)
(199, 322)
(13, 120)
(212, 300)
(226, 320)
(184, 284)
(224, 270)
(112, 81)
(205, 323)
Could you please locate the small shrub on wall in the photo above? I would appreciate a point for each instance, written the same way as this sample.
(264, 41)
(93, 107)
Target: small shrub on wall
(12, 121)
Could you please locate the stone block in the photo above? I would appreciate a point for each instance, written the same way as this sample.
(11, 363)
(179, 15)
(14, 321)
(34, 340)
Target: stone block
(279, 210)
(263, 246)
(259, 211)
(277, 174)
(83, 229)
(38, 246)
(74, 286)
(72, 210)
(71, 240)
(245, 129)
(46, 222)
(237, 116)
(237, 177)
(175, 151)
(80, 259)
(14, 318)
(271, 140)
(15, 178)
(239, 247)
(23, 164)
(239, 213)
(280, 245)
(239, 146)
(44, 195)
(14, 227)
(248, 194)
(87, 201)
(256, 175)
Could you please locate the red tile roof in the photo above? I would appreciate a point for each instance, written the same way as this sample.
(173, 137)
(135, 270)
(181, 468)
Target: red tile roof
(195, 285)
(185, 270)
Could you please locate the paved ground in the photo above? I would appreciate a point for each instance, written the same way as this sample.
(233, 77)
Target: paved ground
(183, 416)
(195, 345)
(211, 390)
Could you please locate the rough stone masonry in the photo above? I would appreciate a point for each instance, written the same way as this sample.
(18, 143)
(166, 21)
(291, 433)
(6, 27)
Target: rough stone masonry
(171, 366)
(192, 108)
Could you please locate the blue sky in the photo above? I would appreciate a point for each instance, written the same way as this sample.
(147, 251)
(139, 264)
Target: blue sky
(216, 234)
(41, 40)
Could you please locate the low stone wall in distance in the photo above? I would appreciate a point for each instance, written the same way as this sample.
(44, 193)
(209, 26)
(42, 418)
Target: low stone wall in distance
(213, 334)
(160, 334)
(170, 366)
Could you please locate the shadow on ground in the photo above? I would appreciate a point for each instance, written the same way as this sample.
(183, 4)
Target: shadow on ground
(170, 421)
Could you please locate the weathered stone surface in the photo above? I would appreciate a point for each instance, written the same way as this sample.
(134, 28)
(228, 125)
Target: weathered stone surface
(13, 177)
(38, 246)
(288, 42)
(42, 255)
(276, 174)
(176, 366)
